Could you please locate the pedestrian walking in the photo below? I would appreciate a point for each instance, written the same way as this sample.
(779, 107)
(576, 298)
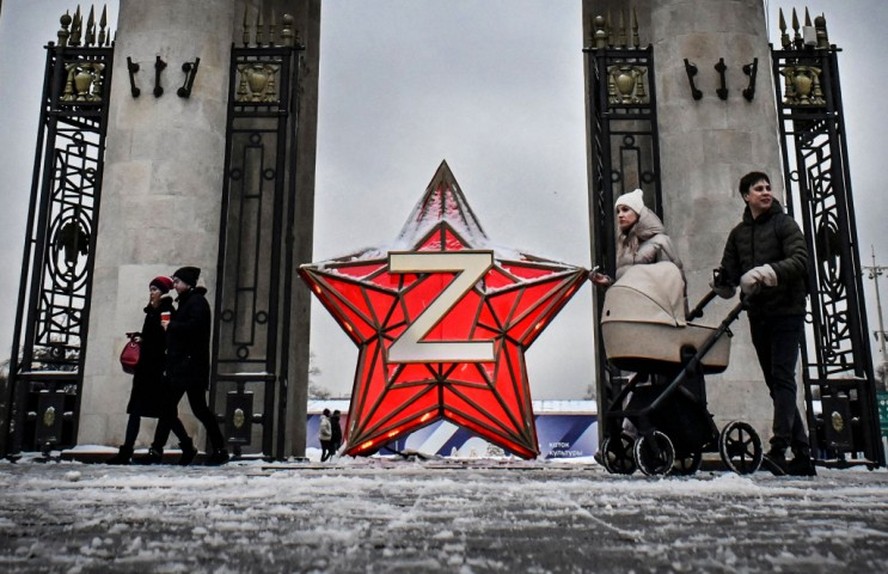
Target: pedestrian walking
(188, 359)
(767, 257)
(149, 396)
(641, 238)
(336, 432)
(325, 434)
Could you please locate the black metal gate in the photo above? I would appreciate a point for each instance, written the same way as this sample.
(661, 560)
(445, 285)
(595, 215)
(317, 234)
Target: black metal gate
(52, 317)
(624, 150)
(253, 298)
(837, 367)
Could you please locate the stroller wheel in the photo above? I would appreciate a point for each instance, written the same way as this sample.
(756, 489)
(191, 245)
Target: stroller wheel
(617, 451)
(688, 464)
(654, 453)
(740, 447)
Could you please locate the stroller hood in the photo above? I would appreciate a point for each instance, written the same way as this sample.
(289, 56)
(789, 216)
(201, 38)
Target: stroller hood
(652, 293)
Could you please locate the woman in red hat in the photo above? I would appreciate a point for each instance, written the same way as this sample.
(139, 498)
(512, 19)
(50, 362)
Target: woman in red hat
(150, 397)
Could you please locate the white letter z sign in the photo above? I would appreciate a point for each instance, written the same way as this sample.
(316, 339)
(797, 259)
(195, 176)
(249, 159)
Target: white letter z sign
(471, 267)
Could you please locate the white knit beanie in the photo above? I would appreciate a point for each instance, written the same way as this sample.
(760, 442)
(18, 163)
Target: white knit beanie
(634, 200)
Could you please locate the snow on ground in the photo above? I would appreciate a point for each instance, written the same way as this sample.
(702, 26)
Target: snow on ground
(437, 515)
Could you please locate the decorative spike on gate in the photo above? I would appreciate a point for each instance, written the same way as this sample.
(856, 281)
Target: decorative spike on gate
(76, 27)
(90, 38)
(784, 37)
(246, 38)
(259, 25)
(271, 30)
(103, 24)
(636, 41)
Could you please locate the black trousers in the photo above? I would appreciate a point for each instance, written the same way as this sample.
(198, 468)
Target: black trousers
(776, 341)
(197, 400)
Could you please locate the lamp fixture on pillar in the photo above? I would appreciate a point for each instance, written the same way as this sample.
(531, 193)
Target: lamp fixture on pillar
(691, 70)
(750, 70)
(159, 66)
(133, 69)
(720, 67)
(190, 69)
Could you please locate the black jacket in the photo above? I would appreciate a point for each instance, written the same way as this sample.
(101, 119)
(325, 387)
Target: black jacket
(188, 341)
(774, 238)
(148, 397)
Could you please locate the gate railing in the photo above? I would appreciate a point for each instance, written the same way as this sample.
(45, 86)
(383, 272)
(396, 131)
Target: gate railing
(52, 316)
(625, 154)
(252, 318)
(837, 366)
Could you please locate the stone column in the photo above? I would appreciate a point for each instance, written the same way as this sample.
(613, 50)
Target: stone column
(706, 145)
(161, 196)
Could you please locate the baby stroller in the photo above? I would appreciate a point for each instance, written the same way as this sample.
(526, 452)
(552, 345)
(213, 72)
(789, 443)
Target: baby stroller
(645, 329)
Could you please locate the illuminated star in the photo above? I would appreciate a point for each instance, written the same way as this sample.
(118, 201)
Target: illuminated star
(442, 322)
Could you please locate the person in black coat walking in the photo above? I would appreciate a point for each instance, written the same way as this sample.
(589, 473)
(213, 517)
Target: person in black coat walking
(188, 359)
(149, 396)
(335, 433)
(767, 257)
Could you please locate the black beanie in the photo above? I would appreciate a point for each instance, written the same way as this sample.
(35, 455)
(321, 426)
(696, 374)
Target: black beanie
(188, 275)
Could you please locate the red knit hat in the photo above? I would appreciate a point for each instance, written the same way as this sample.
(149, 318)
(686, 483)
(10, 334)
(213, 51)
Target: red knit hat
(163, 283)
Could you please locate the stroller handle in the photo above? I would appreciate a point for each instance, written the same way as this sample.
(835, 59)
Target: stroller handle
(697, 311)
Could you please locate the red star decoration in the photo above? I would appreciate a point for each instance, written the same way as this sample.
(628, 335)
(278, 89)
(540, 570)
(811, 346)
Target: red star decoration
(510, 305)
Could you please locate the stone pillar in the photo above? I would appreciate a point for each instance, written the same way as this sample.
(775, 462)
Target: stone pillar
(706, 145)
(161, 197)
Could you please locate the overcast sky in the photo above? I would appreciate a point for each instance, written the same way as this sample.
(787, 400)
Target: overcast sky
(492, 86)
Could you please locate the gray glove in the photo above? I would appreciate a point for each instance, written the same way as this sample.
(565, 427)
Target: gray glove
(751, 282)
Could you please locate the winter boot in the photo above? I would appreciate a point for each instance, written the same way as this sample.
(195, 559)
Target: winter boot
(188, 452)
(801, 463)
(775, 461)
(154, 456)
(217, 457)
(124, 456)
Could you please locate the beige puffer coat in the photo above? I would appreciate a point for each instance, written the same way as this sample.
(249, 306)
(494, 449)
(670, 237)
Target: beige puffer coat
(645, 242)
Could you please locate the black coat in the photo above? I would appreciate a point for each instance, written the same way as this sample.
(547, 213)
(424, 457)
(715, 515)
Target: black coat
(773, 238)
(188, 342)
(150, 395)
(336, 436)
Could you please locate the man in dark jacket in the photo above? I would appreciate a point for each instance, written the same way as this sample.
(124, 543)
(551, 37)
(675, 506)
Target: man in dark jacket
(188, 359)
(767, 257)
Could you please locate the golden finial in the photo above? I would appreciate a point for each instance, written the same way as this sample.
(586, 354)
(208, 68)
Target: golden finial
(807, 17)
(820, 28)
(599, 32)
(63, 32)
(797, 34)
(287, 31)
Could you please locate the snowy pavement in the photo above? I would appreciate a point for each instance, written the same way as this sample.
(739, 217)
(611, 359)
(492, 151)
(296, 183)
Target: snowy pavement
(383, 515)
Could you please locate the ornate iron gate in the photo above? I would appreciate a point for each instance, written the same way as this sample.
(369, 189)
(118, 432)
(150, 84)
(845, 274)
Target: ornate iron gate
(52, 317)
(252, 319)
(625, 152)
(837, 367)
